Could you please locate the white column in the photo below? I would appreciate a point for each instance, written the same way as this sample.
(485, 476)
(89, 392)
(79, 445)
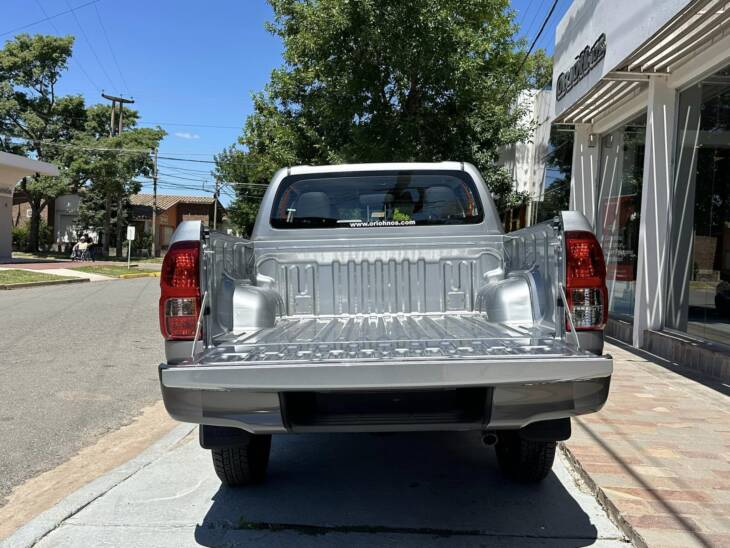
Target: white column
(584, 175)
(656, 202)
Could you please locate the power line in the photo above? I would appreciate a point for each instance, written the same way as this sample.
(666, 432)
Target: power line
(524, 13)
(537, 37)
(118, 150)
(182, 178)
(91, 46)
(99, 149)
(534, 18)
(186, 169)
(48, 17)
(187, 160)
(248, 185)
(72, 58)
(216, 126)
(111, 49)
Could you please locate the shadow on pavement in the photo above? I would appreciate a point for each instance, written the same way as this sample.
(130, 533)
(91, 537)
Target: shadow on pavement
(444, 485)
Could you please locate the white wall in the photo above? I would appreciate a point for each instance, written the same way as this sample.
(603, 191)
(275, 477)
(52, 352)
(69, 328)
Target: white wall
(626, 23)
(525, 160)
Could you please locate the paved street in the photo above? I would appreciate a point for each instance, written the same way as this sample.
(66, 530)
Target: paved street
(77, 361)
(418, 489)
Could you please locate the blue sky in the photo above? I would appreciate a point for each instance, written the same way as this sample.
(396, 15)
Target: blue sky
(189, 65)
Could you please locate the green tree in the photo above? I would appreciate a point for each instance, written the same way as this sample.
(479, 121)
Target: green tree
(33, 119)
(539, 69)
(375, 80)
(232, 165)
(109, 165)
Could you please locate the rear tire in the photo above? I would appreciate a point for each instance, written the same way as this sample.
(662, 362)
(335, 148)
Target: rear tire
(243, 464)
(524, 460)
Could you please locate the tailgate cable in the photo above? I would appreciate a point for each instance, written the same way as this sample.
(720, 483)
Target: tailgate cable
(198, 324)
(570, 316)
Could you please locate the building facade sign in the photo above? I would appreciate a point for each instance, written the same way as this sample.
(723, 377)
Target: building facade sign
(584, 63)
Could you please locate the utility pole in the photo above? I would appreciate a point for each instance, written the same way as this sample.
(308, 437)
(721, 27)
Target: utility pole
(215, 203)
(155, 250)
(122, 101)
(120, 206)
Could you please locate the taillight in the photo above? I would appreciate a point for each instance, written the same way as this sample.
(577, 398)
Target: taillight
(585, 280)
(180, 291)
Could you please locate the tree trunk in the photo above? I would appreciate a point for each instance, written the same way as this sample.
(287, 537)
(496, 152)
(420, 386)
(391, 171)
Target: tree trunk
(120, 225)
(35, 225)
(107, 224)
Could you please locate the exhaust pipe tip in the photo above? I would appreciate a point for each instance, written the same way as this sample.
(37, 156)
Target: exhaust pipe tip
(490, 439)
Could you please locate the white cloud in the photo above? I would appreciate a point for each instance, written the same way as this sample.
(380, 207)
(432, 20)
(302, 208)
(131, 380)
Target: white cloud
(186, 135)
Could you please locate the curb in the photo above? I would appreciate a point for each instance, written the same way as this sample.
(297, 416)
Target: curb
(139, 275)
(40, 526)
(40, 284)
(614, 514)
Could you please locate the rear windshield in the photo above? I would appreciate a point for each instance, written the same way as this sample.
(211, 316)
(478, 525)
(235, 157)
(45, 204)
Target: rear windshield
(376, 199)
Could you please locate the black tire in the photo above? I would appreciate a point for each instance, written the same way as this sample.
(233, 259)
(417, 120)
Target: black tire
(244, 464)
(524, 460)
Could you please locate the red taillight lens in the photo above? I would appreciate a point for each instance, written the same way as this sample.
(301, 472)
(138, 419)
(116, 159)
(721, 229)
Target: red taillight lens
(585, 280)
(180, 291)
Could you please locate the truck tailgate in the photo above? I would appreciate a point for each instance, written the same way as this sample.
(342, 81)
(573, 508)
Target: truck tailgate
(386, 351)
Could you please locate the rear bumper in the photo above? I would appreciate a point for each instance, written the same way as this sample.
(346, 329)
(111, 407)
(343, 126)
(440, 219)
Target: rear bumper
(521, 391)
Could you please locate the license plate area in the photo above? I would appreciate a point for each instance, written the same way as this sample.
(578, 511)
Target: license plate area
(385, 408)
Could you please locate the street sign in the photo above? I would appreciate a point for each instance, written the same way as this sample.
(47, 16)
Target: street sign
(130, 233)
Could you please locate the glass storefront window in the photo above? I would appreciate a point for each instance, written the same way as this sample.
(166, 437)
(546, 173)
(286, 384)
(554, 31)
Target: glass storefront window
(619, 211)
(558, 164)
(699, 276)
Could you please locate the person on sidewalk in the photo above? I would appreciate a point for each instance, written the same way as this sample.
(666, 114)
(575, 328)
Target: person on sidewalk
(75, 252)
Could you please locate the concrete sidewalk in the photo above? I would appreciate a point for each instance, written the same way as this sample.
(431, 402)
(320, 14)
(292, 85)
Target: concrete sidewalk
(419, 489)
(77, 274)
(658, 453)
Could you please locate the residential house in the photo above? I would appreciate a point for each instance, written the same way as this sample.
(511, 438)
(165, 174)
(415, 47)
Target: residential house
(171, 211)
(12, 169)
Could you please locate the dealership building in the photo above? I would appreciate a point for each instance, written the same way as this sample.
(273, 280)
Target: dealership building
(643, 90)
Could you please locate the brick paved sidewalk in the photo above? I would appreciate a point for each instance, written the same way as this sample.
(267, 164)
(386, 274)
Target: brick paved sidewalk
(658, 454)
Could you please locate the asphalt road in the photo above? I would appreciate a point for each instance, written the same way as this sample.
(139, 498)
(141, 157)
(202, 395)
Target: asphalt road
(76, 361)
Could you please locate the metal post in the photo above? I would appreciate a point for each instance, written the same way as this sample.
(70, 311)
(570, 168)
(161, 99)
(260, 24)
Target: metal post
(121, 100)
(215, 203)
(155, 251)
(111, 124)
(129, 254)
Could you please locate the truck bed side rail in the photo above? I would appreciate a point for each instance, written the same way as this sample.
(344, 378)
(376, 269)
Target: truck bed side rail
(536, 254)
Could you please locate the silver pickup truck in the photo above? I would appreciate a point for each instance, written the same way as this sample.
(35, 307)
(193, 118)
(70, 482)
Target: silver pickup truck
(383, 297)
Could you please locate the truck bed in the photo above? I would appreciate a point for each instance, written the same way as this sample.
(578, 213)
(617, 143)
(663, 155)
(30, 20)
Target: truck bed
(462, 336)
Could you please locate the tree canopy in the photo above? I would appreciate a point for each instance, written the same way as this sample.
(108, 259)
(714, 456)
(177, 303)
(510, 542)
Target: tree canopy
(377, 81)
(33, 119)
(36, 122)
(109, 166)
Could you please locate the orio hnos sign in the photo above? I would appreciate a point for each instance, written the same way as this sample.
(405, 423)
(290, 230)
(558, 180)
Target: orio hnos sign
(584, 63)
